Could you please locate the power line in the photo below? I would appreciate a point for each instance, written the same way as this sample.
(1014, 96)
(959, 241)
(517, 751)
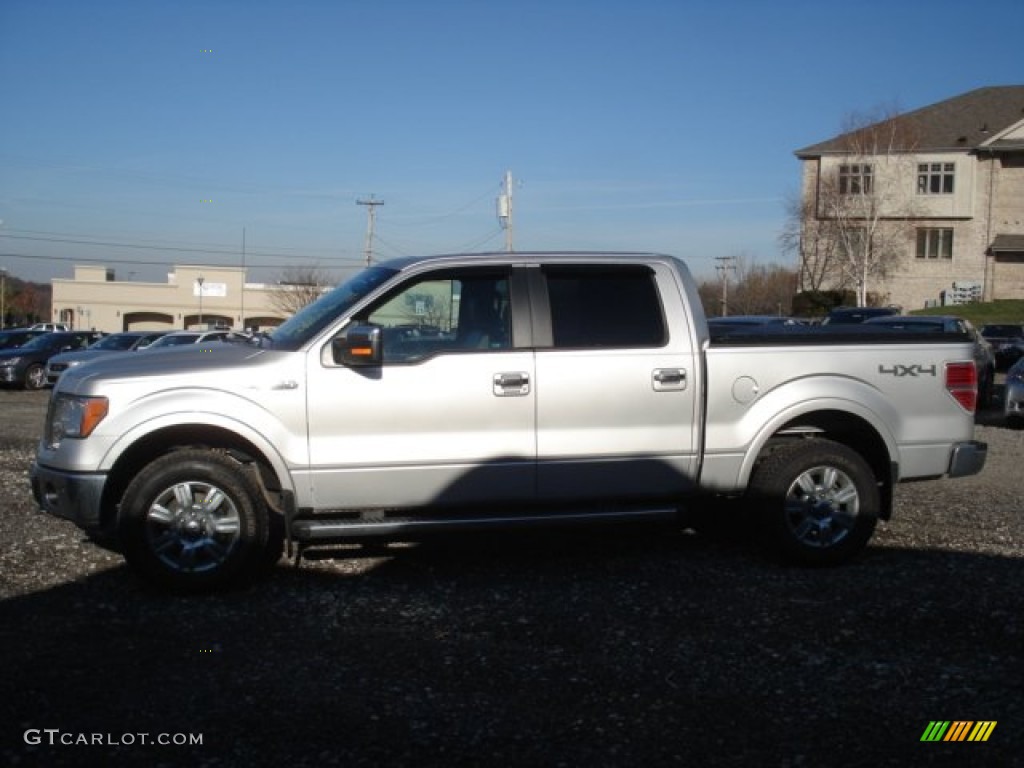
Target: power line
(162, 263)
(164, 248)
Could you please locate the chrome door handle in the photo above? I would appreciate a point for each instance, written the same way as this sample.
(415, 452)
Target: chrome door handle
(512, 384)
(669, 378)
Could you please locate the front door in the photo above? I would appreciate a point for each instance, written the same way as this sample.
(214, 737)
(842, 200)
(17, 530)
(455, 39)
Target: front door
(447, 419)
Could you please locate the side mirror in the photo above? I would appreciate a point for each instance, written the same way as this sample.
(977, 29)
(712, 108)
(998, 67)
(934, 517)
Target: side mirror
(359, 347)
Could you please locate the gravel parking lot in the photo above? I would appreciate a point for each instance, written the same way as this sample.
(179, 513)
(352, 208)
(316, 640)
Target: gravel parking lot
(600, 648)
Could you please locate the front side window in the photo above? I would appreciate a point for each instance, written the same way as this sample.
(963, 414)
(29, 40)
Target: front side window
(935, 243)
(855, 179)
(935, 178)
(604, 306)
(453, 311)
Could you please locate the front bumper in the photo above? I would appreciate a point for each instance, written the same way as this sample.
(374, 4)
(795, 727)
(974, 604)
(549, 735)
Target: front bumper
(73, 496)
(968, 458)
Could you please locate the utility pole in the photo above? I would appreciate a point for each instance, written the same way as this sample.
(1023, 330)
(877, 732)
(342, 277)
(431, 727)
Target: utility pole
(200, 280)
(725, 264)
(505, 210)
(371, 219)
(241, 293)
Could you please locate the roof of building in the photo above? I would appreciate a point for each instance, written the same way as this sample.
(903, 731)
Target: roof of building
(970, 121)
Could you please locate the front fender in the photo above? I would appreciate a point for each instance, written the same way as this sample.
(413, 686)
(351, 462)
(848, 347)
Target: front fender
(281, 441)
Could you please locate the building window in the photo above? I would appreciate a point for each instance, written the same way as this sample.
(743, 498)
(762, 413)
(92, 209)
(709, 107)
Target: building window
(935, 243)
(935, 178)
(855, 179)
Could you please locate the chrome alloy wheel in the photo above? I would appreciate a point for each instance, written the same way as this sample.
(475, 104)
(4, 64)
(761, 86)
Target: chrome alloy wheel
(821, 506)
(193, 527)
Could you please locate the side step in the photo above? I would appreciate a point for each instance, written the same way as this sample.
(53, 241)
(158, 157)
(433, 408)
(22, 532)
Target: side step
(376, 525)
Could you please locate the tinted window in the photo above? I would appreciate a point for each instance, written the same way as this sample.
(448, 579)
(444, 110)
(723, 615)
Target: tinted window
(607, 306)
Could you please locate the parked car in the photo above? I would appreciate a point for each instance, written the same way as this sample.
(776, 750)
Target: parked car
(128, 341)
(747, 323)
(854, 315)
(25, 366)
(1013, 396)
(984, 355)
(50, 327)
(179, 338)
(15, 337)
(1008, 341)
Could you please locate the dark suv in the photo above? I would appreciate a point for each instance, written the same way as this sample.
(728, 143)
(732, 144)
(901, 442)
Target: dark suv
(26, 366)
(854, 315)
(1008, 341)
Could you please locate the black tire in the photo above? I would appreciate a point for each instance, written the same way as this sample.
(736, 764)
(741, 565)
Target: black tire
(819, 501)
(35, 376)
(194, 521)
(986, 389)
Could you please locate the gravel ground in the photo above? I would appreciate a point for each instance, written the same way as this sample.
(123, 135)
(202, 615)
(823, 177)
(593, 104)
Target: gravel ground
(604, 648)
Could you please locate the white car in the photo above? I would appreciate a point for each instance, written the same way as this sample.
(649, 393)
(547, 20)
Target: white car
(179, 338)
(50, 327)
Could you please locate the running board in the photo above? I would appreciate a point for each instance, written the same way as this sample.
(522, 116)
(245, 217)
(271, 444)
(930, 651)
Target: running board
(315, 531)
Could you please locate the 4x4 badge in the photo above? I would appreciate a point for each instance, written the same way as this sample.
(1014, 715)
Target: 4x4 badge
(907, 370)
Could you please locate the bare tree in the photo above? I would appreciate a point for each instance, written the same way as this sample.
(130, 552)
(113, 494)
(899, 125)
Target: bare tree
(297, 287)
(857, 229)
(754, 289)
(811, 243)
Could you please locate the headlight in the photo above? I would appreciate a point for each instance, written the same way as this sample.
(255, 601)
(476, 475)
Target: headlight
(10, 362)
(73, 416)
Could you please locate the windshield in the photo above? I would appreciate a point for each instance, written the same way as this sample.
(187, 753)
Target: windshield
(174, 341)
(45, 341)
(313, 318)
(115, 341)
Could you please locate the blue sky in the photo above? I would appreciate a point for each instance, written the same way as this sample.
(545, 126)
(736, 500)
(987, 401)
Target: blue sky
(146, 134)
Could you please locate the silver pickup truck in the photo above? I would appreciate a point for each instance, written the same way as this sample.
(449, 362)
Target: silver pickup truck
(464, 392)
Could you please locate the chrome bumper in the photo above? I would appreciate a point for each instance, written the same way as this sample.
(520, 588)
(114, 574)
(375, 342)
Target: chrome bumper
(71, 495)
(968, 458)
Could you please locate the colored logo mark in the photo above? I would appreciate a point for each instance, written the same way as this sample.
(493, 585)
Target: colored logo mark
(958, 730)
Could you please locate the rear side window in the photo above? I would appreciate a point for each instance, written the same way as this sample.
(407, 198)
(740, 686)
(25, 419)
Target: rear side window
(604, 306)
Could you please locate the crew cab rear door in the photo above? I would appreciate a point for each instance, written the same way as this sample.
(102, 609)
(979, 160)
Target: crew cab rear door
(617, 412)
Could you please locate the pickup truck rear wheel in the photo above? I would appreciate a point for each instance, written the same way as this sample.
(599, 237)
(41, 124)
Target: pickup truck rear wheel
(818, 499)
(194, 521)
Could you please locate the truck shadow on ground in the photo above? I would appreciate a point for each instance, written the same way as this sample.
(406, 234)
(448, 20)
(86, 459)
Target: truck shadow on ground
(605, 646)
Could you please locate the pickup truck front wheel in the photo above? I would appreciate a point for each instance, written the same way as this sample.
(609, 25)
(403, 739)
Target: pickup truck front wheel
(193, 521)
(818, 499)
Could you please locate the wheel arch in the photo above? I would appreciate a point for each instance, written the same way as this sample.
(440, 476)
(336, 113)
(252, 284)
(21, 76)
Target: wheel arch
(267, 469)
(841, 426)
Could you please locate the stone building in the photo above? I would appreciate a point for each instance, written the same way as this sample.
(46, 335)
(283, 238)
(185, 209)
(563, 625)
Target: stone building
(193, 297)
(949, 189)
